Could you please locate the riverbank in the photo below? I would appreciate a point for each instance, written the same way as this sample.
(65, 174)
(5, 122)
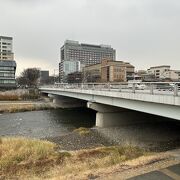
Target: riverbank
(22, 100)
(19, 95)
(25, 158)
(81, 153)
(22, 106)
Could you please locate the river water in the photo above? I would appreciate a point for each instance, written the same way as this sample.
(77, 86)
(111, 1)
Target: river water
(163, 134)
(42, 124)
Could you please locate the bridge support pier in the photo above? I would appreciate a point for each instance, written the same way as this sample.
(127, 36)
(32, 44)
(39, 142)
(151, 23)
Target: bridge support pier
(109, 119)
(67, 102)
(109, 116)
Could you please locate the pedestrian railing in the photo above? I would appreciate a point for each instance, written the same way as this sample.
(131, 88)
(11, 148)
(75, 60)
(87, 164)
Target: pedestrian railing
(165, 88)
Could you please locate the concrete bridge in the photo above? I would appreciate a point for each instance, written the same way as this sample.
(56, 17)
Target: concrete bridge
(120, 103)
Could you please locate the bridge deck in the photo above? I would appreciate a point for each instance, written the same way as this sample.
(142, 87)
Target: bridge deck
(163, 102)
(164, 97)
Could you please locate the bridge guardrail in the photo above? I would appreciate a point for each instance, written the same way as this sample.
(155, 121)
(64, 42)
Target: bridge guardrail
(165, 88)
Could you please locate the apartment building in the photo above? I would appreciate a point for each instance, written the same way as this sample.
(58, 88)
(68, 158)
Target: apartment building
(108, 71)
(84, 54)
(7, 63)
(158, 70)
(6, 48)
(164, 72)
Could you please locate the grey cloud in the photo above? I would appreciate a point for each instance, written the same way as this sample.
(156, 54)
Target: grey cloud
(146, 33)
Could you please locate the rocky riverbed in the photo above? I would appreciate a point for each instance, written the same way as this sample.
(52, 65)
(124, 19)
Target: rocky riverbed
(77, 141)
(126, 135)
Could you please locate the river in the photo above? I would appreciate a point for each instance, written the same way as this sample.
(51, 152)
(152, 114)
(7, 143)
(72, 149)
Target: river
(49, 124)
(42, 124)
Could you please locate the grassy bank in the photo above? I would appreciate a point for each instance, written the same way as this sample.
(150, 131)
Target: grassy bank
(21, 100)
(19, 94)
(22, 107)
(30, 158)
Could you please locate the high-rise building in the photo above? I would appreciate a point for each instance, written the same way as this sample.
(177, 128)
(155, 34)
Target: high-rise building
(7, 63)
(85, 54)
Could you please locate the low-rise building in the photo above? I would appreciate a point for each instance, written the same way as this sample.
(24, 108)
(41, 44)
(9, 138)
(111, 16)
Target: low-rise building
(7, 63)
(158, 70)
(113, 71)
(148, 77)
(44, 77)
(92, 73)
(108, 71)
(75, 77)
(170, 75)
(7, 74)
(177, 72)
(129, 71)
(164, 72)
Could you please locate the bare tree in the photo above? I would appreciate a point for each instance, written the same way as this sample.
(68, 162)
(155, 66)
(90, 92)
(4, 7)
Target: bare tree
(29, 77)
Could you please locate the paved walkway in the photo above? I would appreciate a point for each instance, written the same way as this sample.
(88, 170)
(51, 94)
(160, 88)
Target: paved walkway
(169, 173)
(165, 168)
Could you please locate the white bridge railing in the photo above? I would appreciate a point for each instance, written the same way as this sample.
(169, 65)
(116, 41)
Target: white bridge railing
(165, 88)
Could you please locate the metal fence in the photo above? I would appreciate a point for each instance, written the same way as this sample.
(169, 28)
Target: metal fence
(165, 88)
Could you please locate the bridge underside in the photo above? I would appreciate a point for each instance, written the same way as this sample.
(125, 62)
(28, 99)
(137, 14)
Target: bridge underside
(113, 111)
(68, 102)
(108, 116)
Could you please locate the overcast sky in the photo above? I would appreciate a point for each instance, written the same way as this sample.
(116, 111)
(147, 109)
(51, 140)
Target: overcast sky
(143, 32)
